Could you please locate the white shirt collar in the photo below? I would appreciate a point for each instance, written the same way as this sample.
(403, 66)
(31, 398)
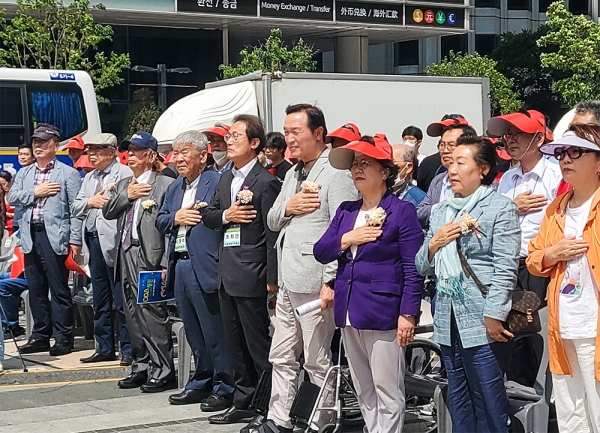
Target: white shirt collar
(194, 183)
(245, 170)
(144, 177)
(538, 169)
(106, 170)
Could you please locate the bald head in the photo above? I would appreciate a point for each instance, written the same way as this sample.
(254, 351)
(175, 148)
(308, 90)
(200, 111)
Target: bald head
(403, 153)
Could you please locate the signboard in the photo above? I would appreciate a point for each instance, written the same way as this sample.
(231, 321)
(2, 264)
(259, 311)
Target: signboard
(376, 13)
(435, 17)
(224, 7)
(320, 10)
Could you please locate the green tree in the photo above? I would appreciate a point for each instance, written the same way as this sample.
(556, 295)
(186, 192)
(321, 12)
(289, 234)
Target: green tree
(503, 99)
(46, 34)
(518, 58)
(573, 42)
(142, 114)
(273, 56)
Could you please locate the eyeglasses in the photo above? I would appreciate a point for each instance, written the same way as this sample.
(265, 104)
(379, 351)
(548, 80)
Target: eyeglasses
(235, 137)
(360, 164)
(511, 135)
(573, 152)
(449, 146)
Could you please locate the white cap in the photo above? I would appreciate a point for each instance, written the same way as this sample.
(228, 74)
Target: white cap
(570, 139)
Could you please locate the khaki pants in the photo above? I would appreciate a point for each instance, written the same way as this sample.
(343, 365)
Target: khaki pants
(376, 362)
(294, 335)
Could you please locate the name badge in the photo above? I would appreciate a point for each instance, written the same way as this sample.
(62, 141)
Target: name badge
(180, 244)
(233, 237)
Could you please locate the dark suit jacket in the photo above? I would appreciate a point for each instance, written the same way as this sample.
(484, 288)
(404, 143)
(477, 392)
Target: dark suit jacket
(246, 270)
(381, 282)
(152, 242)
(429, 168)
(202, 243)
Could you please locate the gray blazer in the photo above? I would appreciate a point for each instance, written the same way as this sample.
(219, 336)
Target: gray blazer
(152, 253)
(63, 228)
(434, 196)
(494, 258)
(107, 229)
(299, 272)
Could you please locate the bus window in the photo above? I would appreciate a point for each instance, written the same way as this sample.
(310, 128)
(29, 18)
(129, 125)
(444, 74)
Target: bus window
(12, 126)
(59, 105)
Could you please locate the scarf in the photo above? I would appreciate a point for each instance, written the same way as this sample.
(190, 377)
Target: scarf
(447, 264)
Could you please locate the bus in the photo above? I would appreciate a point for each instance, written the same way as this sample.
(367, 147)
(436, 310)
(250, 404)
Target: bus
(28, 97)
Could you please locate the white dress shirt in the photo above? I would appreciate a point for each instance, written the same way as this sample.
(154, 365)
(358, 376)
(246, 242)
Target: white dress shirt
(144, 177)
(237, 183)
(188, 198)
(544, 180)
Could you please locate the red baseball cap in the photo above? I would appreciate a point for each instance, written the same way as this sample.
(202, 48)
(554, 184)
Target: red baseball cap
(382, 138)
(348, 132)
(529, 122)
(342, 157)
(502, 153)
(83, 162)
(219, 129)
(436, 129)
(75, 143)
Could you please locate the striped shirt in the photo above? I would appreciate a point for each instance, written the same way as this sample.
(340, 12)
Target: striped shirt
(42, 175)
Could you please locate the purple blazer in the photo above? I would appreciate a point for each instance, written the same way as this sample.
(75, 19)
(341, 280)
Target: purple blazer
(381, 282)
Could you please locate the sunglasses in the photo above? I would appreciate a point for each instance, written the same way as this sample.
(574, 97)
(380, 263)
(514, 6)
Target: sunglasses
(573, 152)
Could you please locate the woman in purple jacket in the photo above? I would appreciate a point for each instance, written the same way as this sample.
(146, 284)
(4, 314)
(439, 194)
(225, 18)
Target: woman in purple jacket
(377, 288)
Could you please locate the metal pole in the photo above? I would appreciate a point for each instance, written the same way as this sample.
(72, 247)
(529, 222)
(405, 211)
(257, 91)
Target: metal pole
(225, 45)
(162, 92)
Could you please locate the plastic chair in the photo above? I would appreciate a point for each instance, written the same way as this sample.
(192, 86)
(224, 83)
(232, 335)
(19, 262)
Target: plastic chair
(7, 249)
(184, 355)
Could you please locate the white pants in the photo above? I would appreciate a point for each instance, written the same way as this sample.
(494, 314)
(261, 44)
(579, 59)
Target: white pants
(311, 334)
(376, 363)
(577, 398)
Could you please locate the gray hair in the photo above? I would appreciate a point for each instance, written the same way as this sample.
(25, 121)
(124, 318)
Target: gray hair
(590, 106)
(409, 154)
(196, 138)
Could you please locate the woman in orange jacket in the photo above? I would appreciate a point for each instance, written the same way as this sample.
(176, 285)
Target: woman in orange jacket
(567, 249)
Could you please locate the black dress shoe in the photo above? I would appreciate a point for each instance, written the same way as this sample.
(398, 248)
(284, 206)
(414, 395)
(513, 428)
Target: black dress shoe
(232, 415)
(126, 361)
(134, 380)
(61, 347)
(257, 421)
(189, 396)
(215, 403)
(16, 332)
(35, 345)
(98, 357)
(158, 385)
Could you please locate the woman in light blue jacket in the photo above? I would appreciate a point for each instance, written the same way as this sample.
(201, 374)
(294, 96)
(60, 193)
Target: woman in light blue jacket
(485, 226)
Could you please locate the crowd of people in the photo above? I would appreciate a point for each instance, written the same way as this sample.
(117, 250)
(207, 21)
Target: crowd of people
(242, 238)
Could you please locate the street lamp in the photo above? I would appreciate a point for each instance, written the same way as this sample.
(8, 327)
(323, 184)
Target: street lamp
(162, 71)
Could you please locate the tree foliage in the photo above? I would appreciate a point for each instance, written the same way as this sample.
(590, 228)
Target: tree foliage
(272, 56)
(573, 42)
(503, 99)
(142, 114)
(46, 34)
(518, 58)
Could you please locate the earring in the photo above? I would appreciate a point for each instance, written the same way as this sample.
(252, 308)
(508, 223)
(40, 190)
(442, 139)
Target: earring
(481, 176)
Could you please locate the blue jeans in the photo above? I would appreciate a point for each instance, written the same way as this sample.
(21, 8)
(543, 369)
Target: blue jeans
(477, 398)
(10, 291)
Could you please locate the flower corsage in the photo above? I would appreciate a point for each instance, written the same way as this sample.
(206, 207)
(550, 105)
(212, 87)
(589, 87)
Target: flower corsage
(376, 217)
(245, 195)
(112, 186)
(469, 224)
(200, 205)
(310, 187)
(148, 204)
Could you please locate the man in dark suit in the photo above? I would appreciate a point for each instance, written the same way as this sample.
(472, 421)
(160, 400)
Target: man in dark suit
(193, 253)
(248, 260)
(135, 202)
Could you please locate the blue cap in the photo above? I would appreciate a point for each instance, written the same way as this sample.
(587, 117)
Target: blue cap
(141, 139)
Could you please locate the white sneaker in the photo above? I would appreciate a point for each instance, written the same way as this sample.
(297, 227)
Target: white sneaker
(428, 409)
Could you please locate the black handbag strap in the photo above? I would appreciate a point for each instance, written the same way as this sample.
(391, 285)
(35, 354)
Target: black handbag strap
(469, 271)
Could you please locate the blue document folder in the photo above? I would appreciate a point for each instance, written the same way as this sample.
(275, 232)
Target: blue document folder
(151, 289)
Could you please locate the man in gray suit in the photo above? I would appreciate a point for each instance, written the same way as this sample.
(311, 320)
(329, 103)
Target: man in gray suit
(49, 232)
(100, 246)
(301, 216)
(135, 204)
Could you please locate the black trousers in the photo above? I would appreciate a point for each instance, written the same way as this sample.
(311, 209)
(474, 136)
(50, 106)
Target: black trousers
(45, 270)
(525, 352)
(246, 323)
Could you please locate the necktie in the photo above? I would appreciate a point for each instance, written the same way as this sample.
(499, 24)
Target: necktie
(90, 223)
(128, 228)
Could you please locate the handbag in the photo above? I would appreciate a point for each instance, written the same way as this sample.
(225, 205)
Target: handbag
(523, 317)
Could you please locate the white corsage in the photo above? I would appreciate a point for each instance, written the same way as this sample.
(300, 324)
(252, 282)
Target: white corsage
(200, 205)
(148, 204)
(112, 186)
(376, 217)
(468, 224)
(310, 187)
(245, 195)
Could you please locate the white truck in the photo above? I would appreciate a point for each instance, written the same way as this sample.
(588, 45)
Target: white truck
(376, 103)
